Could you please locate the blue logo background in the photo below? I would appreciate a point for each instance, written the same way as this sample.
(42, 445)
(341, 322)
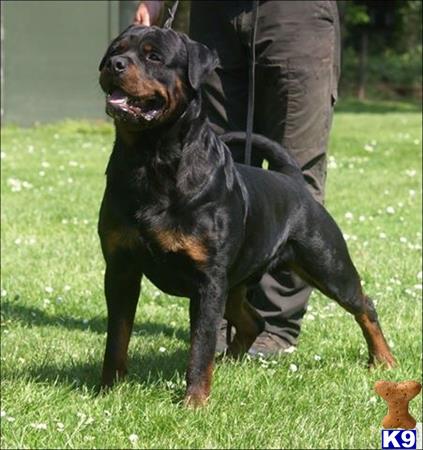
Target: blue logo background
(399, 439)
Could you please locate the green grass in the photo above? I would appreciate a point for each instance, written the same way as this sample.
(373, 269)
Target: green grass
(53, 312)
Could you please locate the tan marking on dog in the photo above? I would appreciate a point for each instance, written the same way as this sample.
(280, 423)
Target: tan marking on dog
(245, 319)
(175, 241)
(121, 238)
(197, 396)
(123, 45)
(137, 84)
(379, 350)
(178, 96)
(147, 48)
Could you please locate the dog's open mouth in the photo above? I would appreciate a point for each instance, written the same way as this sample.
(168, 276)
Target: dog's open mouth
(120, 104)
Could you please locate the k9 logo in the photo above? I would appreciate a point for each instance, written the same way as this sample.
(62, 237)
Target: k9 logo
(399, 439)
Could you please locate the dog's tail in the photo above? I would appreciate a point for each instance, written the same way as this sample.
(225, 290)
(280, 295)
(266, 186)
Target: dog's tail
(278, 157)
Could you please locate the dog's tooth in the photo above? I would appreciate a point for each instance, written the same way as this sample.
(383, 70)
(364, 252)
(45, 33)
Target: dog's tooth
(118, 97)
(118, 100)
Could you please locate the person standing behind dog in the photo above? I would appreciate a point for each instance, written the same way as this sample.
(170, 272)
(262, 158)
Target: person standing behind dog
(297, 51)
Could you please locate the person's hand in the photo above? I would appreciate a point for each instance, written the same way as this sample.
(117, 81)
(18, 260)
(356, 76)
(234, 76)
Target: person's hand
(148, 12)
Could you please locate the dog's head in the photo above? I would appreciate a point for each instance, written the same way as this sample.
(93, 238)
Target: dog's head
(150, 74)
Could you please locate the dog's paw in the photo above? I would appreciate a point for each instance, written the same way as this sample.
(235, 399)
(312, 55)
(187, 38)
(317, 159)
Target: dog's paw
(385, 361)
(196, 400)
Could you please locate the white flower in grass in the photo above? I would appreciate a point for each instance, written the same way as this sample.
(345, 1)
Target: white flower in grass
(3, 292)
(382, 235)
(18, 241)
(390, 210)
(317, 357)
(39, 426)
(349, 215)
(412, 193)
(3, 413)
(60, 427)
(41, 173)
(332, 163)
(3, 155)
(403, 239)
(73, 163)
(133, 438)
(15, 184)
(162, 349)
(293, 368)
(10, 419)
(410, 173)
(372, 399)
(419, 275)
(45, 164)
(416, 141)
(66, 288)
(30, 149)
(368, 148)
(49, 289)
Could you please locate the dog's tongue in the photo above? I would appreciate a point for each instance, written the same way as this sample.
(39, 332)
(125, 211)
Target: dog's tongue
(118, 97)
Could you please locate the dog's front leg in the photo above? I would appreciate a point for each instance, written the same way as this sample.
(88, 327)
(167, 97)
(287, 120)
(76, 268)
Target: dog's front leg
(206, 312)
(122, 289)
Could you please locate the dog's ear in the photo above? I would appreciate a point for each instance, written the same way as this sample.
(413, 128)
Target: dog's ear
(201, 62)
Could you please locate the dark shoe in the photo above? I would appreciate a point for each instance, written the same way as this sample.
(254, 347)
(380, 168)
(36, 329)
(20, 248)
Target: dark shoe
(268, 345)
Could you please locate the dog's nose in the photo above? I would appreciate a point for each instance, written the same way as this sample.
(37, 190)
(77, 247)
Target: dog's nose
(118, 64)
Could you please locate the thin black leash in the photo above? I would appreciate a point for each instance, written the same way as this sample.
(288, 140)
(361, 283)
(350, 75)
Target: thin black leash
(251, 86)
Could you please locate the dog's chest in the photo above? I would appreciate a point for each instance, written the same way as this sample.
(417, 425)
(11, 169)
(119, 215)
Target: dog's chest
(170, 258)
(156, 238)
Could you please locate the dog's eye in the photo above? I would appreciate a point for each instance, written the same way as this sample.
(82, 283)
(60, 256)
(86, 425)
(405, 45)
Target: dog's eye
(154, 57)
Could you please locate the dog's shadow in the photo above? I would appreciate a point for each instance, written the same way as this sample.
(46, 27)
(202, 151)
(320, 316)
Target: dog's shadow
(146, 367)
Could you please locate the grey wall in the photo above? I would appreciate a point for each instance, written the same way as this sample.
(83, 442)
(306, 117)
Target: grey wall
(50, 56)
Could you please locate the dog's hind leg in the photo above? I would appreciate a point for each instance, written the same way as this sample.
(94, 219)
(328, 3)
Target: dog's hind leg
(322, 260)
(247, 321)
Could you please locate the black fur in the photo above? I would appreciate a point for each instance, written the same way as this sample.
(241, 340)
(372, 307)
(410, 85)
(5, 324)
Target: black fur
(178, 210)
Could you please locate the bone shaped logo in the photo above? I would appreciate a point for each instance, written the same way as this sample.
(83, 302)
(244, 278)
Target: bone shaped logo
(398, 396)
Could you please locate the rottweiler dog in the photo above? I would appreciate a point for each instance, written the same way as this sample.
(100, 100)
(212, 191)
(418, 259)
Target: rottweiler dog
(178, 210)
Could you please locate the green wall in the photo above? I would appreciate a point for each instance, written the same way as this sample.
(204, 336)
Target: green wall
(50, 56)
